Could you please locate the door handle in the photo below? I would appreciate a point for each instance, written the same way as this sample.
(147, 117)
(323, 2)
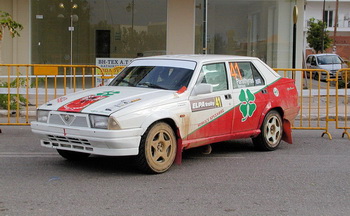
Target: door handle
(264, 91)
(228, 96)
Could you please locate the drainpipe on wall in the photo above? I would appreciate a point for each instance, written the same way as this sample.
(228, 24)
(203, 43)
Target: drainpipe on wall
(205, 26)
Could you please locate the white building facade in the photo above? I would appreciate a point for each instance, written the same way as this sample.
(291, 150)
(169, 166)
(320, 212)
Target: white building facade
(327, 8)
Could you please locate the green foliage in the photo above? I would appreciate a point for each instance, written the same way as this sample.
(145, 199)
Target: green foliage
(6, 21)
(342, 84)
(14, 100)
(314, 35)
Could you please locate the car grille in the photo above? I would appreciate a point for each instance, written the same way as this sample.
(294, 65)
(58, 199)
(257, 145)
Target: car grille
(67, 143)
(69, 119)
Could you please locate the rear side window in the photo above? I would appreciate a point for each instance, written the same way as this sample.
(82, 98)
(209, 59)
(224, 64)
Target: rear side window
(244, 75)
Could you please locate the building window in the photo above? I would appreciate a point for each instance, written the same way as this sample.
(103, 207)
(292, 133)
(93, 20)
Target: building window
(247, 28)
(328, 18)
(79, 31)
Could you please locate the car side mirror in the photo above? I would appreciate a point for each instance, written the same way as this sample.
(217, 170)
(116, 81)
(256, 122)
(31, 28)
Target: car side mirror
(202, 88)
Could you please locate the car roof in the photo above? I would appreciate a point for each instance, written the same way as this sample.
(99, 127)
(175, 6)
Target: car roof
(200, 57)
(324, 54)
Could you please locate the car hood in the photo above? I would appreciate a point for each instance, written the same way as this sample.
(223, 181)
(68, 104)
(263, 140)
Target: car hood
(108, 99)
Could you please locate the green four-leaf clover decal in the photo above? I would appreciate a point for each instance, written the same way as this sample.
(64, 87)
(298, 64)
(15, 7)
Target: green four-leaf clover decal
(248, 105)
(108, 93)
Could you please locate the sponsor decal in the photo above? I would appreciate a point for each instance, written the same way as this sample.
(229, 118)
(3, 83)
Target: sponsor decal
(61, 99)
(126, 102)
(207, 103)
(211, 118)
(245, 82)
(247, 106)
(276, 92)
(80, 104)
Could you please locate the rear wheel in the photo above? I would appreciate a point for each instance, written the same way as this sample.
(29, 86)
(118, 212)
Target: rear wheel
(271, 132)
(71, 155)
(157, 149)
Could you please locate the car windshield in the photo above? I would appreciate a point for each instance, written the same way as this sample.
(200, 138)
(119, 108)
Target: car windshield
(328, 59)
(161, 77)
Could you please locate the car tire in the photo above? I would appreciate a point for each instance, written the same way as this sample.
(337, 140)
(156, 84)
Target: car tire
(317, 76)
(72, 156)
(271, 132)
(157, 149)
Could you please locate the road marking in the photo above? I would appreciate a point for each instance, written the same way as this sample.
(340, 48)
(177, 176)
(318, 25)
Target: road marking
(27, 154)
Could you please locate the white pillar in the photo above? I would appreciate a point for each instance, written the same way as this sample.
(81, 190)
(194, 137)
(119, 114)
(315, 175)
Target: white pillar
(180, 27)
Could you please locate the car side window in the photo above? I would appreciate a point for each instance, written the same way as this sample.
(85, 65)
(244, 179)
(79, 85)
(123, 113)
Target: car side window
(244, 74)
(308, 60)
(215, 74)
(313, 60)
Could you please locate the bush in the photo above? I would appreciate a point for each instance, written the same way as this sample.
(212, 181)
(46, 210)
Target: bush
(341, 84)
(14, 101)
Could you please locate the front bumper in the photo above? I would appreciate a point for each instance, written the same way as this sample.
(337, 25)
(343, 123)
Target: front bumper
(89, 140)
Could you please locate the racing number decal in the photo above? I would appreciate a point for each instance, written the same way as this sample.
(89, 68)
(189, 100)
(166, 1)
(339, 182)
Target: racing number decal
(235, 72)
(218, 102)
(248, 105)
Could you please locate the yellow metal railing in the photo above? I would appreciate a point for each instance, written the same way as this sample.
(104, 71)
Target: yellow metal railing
(23, 87)
(314, 98)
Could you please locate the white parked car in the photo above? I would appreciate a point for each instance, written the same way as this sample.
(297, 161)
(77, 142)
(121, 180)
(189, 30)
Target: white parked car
(159, 106)
(326, 61)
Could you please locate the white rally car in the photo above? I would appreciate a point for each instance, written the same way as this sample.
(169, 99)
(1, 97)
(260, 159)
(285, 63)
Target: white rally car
(159, 106)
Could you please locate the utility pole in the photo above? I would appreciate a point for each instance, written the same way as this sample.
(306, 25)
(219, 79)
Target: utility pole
(295, 20)
(323, 20)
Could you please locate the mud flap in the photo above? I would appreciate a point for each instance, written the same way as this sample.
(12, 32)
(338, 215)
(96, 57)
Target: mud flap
(287, 132)
(178, 157)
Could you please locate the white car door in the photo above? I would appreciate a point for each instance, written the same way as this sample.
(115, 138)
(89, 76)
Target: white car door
(211, 114)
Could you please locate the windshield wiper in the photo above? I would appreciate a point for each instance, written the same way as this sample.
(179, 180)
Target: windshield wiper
(151, 85)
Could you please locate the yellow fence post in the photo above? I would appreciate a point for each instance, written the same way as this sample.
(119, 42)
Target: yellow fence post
(343, 84)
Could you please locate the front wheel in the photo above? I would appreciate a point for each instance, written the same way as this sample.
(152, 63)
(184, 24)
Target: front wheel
(271, 132)
(71, 155)
(157, 149)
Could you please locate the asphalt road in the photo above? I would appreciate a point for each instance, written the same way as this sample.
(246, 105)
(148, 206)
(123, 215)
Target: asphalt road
(309, 177)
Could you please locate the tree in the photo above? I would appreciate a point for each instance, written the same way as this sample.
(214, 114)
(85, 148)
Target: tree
(314, 35)
(6, 22)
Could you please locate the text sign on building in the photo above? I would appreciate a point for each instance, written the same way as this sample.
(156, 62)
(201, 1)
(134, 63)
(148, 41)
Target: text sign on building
(110, 67)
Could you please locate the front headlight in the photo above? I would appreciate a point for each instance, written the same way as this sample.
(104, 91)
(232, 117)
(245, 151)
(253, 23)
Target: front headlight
(42, 115)
(98, 121)
(104, 122)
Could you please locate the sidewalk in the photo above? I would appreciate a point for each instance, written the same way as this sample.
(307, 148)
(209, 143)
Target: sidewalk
(318, 109)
